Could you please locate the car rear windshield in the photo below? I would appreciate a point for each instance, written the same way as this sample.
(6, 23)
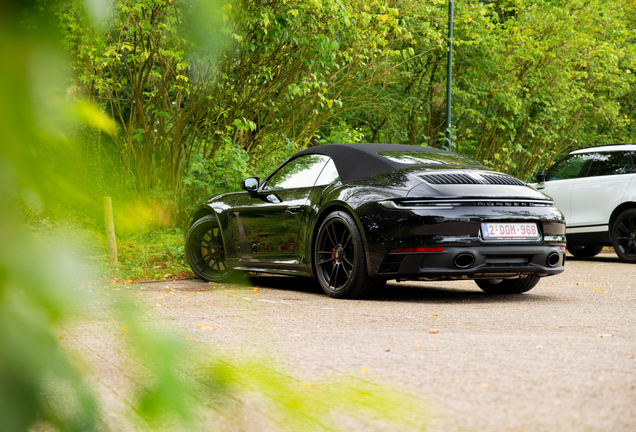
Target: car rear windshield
(427, 158)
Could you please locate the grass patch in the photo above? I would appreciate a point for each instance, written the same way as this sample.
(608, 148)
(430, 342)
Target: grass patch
(148, 254)
(152, 254)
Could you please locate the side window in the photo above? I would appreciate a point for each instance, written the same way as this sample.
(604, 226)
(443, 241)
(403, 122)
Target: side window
(328, 175)
(573, 167)
(610, 163)
(298, 173)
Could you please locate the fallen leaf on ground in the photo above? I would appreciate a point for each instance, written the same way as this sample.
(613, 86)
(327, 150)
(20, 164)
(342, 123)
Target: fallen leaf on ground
(433, 330)
(364, 370)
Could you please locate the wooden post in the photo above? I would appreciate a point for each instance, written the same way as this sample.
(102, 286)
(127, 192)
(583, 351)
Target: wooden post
(110, 230)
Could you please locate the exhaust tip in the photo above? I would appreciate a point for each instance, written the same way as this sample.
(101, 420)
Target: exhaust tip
(464, 260)
(553, 259)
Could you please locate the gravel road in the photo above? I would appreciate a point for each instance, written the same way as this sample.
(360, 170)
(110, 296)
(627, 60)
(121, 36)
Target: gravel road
(558, 358)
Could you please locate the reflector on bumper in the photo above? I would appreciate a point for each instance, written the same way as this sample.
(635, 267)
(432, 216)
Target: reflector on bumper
(418, 249)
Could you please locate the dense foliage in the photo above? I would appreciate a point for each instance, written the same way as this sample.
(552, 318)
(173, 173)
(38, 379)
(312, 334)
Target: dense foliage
(532, 80)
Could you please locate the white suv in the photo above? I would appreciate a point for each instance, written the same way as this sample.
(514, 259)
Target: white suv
(595, 189)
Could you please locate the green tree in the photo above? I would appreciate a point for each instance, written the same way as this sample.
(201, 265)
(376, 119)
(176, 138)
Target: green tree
(281, 75)
(540, 79)
(531, 80)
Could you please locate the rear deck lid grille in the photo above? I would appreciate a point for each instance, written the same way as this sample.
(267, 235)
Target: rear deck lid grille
(450, 179)
(473, 178)
(502, 180)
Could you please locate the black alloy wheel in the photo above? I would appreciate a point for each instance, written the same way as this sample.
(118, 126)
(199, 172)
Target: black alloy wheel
(584, 251)
(340, 261)
(205, 251)
(624, 236)
(508, 286)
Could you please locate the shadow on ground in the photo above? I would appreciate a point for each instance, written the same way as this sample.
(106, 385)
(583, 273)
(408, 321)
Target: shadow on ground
(603, 257)
(418, 292)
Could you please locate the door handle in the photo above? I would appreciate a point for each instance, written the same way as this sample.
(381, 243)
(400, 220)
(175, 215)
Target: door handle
(294, 209)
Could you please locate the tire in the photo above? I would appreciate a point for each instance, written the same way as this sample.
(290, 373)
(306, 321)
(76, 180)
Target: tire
(508, 286)
(584, 251)
(340, 260)
(205, 251)
(624, 236)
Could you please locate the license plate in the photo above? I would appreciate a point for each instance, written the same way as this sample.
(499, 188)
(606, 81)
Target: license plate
(509, 230)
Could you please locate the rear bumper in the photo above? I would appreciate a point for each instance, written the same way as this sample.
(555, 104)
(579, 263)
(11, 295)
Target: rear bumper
(475, 262)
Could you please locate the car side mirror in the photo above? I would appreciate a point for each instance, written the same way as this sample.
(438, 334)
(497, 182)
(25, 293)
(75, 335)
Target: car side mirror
(540, 177)
(250, 184)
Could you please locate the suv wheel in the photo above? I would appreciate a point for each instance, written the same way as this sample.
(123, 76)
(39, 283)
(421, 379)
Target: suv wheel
(624, 236)
(584, 251)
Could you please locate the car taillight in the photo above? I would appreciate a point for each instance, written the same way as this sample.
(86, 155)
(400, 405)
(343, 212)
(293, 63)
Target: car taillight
(418, 249)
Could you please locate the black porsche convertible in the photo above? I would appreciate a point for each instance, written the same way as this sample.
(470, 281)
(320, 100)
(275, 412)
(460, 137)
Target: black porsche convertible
(356, 215)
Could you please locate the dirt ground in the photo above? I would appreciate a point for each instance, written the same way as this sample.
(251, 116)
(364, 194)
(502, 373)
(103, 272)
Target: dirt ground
(558, 358)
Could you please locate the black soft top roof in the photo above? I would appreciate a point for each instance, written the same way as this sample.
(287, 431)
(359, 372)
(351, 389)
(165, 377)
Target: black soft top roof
(356, 162)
